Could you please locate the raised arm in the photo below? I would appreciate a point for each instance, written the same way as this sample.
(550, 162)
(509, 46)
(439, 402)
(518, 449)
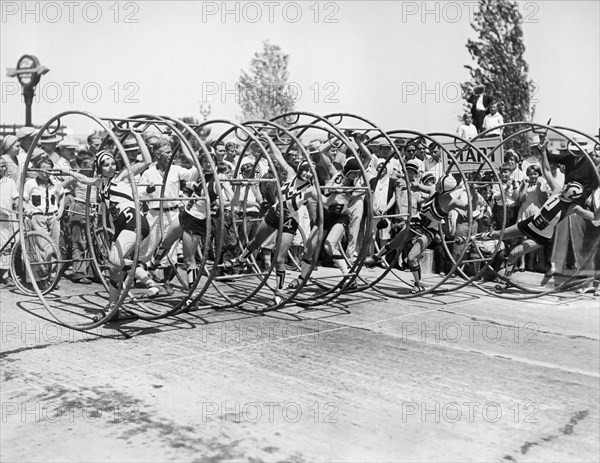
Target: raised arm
(138, 167)
(365, 155)
(546, 171)
(291, 173)
(192, 173)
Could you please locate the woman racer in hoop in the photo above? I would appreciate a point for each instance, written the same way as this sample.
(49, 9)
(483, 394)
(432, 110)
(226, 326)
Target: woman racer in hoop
(296, 192)
(190, 225)
(424, 228)
(116, 191)
(538, 229)
(336, 212)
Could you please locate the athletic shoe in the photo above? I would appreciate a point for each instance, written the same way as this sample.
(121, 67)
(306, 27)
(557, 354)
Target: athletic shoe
(152, 291)
(82, 280)
(373, 260)
(239, 261)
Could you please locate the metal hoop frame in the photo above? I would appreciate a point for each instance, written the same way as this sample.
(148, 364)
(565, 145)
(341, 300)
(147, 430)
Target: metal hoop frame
(286, 130)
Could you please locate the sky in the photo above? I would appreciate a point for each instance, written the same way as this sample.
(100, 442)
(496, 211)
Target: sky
(397, 63)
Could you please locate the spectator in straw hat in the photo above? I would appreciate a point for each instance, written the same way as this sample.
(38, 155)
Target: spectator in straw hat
(25, 136)
(49, 142)
(132, 150)
(68, 148)
(10, 153)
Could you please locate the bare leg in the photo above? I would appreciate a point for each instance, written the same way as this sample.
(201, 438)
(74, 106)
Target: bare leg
(121, 248)
(173, 234)
(263, 232)
(397, 243)
(414, 258)
(509, 233)
(190, 245)
(332, 247)
(307, 256)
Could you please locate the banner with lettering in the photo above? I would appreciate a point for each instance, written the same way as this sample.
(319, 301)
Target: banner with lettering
(469, 159)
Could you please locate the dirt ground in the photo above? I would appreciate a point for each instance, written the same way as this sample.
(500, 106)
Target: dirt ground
(459, 377)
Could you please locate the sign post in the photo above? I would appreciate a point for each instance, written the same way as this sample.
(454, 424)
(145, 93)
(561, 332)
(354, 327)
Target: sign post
(28, 72)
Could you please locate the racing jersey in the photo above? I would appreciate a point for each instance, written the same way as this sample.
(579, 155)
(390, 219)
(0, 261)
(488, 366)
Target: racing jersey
(118, 196)
(544, 222)
(432, 214)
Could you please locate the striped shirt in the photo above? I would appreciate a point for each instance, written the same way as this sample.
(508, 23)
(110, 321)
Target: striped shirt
(118, 196)
(432, 214)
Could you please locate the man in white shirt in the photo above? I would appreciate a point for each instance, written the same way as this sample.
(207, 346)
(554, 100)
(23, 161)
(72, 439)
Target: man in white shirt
(467, 130)
(25, 135)
(493, 119)
(49, 143)
(433, 162)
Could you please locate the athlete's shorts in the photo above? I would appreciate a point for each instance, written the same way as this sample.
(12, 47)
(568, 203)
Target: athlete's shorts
(524, 228)
(126, 221)
(332, 217)
(192, 225)
(290, 225)
(419, 230)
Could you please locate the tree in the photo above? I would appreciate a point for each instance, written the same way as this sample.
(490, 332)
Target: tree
(501, 67)
(263, 91)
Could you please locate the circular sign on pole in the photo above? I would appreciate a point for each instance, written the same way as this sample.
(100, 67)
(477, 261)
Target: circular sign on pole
(28, 72)
(25, 63)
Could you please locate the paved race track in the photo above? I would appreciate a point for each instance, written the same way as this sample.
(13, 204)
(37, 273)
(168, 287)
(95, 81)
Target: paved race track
(460, 377)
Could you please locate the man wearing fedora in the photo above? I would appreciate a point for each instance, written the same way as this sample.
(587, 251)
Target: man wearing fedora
(68, 149)
(25, 135)
(49, 142)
